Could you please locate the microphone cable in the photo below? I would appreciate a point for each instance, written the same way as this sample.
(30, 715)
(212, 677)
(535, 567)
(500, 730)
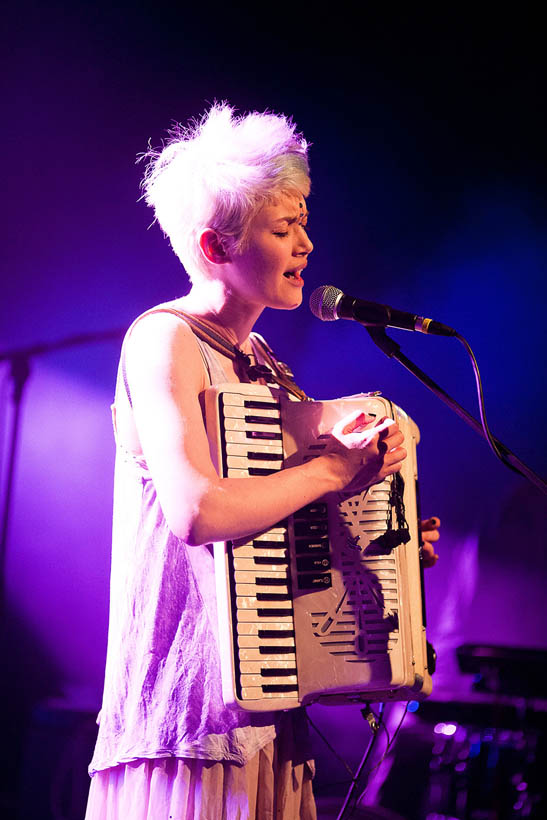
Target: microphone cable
(323, 302)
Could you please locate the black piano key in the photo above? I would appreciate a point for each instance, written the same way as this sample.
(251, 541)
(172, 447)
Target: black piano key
(254, 456)
(273, 596)
(261, 559)
(275, 633)
(277, 673)
(263, 543)
(274, 613)
(271, 582)
(262, 420)
(279, 687)
(263, 434)
(255, 404)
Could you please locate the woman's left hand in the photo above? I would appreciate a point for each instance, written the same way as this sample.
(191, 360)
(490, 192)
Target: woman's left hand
(430, 534)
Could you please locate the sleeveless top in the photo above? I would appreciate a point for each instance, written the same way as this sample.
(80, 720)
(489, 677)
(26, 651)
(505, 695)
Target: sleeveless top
(162, 693)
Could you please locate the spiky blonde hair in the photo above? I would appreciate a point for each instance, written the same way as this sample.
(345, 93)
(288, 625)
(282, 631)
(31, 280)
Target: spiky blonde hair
(217, 173)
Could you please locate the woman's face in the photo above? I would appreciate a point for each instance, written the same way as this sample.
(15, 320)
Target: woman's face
(268, 272)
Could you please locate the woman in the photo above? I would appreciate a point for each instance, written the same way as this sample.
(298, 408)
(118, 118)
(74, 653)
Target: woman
(230, 193)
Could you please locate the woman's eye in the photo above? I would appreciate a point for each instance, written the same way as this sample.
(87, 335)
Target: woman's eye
(281, 233)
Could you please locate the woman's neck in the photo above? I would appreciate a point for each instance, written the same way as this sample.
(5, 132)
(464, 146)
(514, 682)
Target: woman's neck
(211, 301)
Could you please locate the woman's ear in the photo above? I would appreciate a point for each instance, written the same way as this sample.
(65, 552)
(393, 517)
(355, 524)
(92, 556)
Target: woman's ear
(212, 247)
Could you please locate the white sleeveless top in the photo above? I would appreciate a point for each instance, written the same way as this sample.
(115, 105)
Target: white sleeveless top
(162, 693)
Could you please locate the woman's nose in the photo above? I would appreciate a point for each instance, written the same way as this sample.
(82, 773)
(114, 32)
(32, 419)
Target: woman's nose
(304, 245)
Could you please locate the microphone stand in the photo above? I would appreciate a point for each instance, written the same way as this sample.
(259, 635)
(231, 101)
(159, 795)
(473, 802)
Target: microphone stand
(19, 360)
(391, 349)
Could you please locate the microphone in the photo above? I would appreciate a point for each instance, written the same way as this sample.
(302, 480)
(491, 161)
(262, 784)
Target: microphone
(329, 303)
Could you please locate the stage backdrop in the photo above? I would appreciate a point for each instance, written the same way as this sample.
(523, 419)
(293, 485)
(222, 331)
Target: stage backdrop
(427, 165)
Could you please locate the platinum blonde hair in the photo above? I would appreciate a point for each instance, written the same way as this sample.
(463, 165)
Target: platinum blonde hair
(217, 173)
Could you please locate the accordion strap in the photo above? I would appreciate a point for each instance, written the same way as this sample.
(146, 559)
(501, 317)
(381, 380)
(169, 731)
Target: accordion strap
(273, 372)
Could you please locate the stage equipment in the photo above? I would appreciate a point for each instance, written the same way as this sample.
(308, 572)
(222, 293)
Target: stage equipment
(329, 303)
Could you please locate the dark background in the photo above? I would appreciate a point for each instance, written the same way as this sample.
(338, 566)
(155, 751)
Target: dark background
(428, 171)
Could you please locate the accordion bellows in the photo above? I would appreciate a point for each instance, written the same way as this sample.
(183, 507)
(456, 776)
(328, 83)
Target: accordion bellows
(327, 605)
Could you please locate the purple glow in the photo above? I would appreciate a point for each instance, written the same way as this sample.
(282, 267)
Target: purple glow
(447, 729)
(59, 552)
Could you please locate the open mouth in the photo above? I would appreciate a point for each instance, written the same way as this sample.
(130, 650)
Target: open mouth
(293, 274)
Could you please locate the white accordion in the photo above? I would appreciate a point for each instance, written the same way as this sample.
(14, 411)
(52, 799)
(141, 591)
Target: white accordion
(327, 605)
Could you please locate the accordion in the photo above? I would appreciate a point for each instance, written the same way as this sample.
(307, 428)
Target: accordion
(328, 604)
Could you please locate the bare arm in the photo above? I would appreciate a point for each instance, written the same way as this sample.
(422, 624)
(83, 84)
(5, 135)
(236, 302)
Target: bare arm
(166, 376)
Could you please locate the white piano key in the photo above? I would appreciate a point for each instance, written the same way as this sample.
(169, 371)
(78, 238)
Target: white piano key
(255, 693)
(243, 463)
(242, 425)
(255, 628)
(254, 654)
(248, 641)
(240, 437)
(258, 546)
(251, 615)
(238, 412)
(258, 667)
(258, 680)
(258, 446)
(249, 554)
(259, 393)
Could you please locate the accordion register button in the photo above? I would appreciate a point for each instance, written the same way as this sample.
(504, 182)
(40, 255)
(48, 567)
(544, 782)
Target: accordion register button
(312, 581)
(306, 527)
(305, 546)
(309, 563)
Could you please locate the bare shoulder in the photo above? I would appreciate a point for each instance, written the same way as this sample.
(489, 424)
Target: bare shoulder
(162, 350)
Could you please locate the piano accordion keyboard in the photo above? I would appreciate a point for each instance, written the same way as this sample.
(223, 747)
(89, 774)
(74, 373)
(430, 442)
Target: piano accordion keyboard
(271, 574)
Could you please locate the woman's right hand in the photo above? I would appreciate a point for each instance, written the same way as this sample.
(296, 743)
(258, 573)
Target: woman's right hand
(359, 457)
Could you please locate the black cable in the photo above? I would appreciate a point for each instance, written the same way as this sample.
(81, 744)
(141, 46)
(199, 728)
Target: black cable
(350, 802)
(482, 410)
(389, 744)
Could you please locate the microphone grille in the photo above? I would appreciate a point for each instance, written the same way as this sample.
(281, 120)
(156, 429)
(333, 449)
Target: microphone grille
(323, 302)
